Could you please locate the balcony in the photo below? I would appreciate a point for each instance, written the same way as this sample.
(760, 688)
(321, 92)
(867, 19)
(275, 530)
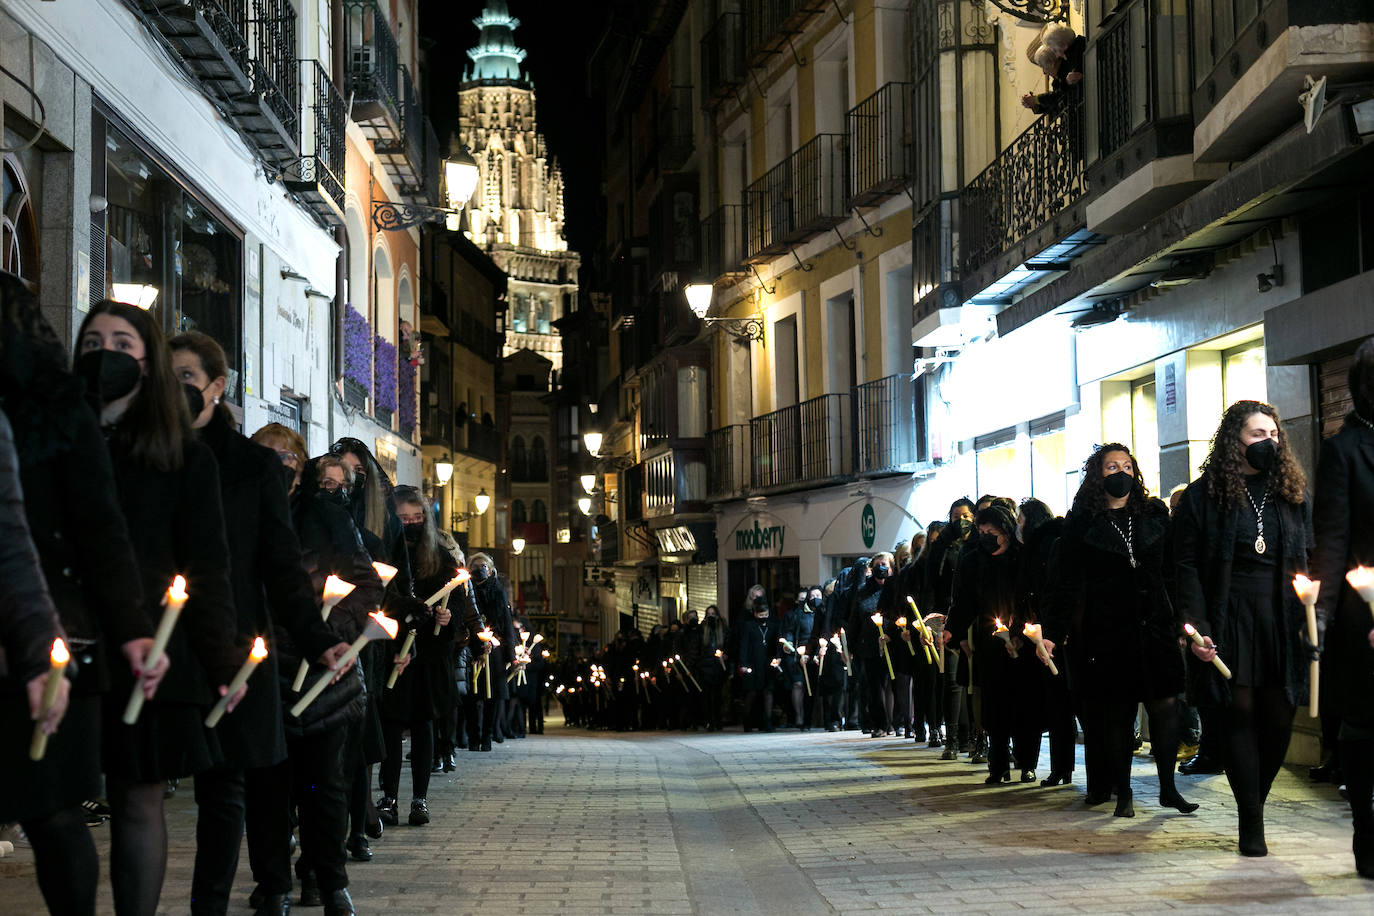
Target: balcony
(888, 421)
(880, 143)
(803, 445)
(676, 122)
(1250, 58)
(722, 243)
(727, 461)
(372, 70)
(1022, 200)
(800, 197)
(722, 59)
(771, 24)
(411, 157)
(480, 442)
(317, 179)
(436, 427)
(243, 52)
(675, 483)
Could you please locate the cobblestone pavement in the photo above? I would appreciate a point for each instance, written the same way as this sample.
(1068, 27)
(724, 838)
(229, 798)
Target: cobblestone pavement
(579, 822)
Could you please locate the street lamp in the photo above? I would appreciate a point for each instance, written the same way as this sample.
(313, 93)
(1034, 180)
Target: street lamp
(460, 181)
(584, 505)
(482, 501)
(699, 297)
(592, 441)
(517, 545)
(443, 470)
(589, 483)
(460, 178)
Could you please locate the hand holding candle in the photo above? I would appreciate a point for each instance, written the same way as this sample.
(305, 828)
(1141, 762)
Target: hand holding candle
(1035, 633)
(255, 657)
(1308, 590)
(379, 626)
(906, 634)
(1004, 634)
(806, 678)
(335, 590)
(1205, 642)
(720, 657)
(685, 670)
(172, 603)
(398, 666)
(877, 619)
(453, 583)
(49, 711)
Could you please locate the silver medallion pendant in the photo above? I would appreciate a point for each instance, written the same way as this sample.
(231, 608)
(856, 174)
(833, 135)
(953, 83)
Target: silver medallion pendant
(1260, 546)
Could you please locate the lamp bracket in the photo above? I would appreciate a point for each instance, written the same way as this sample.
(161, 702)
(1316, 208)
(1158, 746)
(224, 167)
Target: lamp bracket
(743, 330)
(390, 216)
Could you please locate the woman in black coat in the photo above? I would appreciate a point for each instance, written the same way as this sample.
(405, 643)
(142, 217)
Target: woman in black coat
(757, 649)
(866, 640)
(424, 689)
(1241, 532)
(1112, 609)
(711, 669)
(1039, 531)
(1343, 517)
(937, 588)
(494, 608)
(265, 567)
(168, 485)
(73, 512)
(797, 628)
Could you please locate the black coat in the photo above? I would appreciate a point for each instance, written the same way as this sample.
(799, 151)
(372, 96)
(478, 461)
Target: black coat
(266, 570)
(1121, 629)
(176, 525)
(1062, 92)
(1204, 540)
(860, 630)
(797, 628)
(28, 618)
(1343, 518)
(758, 646)
(495, 609)
(712, 635)
(424, 691)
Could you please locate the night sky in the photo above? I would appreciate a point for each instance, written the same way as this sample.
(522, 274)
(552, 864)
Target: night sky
(558, 37)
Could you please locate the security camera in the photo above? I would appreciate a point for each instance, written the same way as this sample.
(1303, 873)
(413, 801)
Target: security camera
(1270, 280)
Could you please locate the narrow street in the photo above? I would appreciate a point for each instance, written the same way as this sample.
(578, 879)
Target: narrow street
(579, 822)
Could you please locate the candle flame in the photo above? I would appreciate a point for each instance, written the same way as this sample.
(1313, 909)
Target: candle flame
(337, 588)
(178, 590)
(384, 572)
(538, 638)
(998, 622)
(1189, 629)
(60, 655)
(259, 650)
(386, 623)
(719, 653)
(1361, 579)
(485, 635)
(544, 652)
(1306, 588)
(877, 619)
(1032, 630)
(901, 621)
(463, 576)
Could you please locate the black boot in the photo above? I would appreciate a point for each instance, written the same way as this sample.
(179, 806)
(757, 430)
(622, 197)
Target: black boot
(273, 905)
(338, 903)
(359, 848)
(310, 891)
(419, 813)
(1252, 834)
(1364, 855)
(386, 811)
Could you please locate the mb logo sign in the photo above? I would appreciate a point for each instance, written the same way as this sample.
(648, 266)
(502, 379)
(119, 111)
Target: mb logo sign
(868, 525)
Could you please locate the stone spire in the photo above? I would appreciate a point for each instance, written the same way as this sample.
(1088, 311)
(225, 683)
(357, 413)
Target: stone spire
(496, 57)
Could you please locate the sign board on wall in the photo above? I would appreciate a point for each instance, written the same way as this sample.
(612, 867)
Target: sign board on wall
(868, 525)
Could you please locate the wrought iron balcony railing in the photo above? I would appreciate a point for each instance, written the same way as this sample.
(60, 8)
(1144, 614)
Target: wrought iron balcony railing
(887, 427)
(806, 443)
(411, 155)
(436, 427)
(880, 145)
(723, 69)
(275, 125)
(800, 197)
(479, 441)
(676, 120)
(1141, 77)
(674, 482)
(770, 23)
(372, 69)
(1029, 183)
(722, 243)
(317, 178)
(727, 461)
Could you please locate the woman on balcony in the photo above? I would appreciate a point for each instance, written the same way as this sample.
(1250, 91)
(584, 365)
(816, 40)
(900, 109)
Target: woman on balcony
(1242, 531)
(1057, 51)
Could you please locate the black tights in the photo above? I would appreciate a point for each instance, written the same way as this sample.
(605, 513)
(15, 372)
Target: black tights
(421, 757)
(752, 700)
(1259, 723)
(1357, 760)
(138, 845)
(1120, 743)
(64, 855)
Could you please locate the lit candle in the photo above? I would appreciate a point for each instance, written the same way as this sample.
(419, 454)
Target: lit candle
(57, 667)
(927, 637)
(877, 619)
(821, 647)
(384, 572)
(335, 590)
(1035, 633)
(720, 657)
(806, 678)
(1361, 579)
(448, 586)
(172, 603)
(901, 625)
(1004, 634)
(489, 641)
(1307, 591)
(1199, 640)
(690, 676)
(250, 664)
(379, 626)
(396, 665)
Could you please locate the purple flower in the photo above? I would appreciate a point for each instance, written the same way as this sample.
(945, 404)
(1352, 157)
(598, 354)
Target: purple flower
(409, 406)
(385, 373)
(357, 345)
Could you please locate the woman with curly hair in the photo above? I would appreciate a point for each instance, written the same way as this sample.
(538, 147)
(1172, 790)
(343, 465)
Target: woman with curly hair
(1242, 531)
(1111, 609)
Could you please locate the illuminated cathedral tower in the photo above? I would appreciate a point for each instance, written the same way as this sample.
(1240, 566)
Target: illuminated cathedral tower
(516, 215)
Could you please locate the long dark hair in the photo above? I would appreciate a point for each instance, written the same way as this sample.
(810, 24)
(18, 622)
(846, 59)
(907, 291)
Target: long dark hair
(426, 557)
(1036, 513)
(379, 498)
(1091, 498)
(1225, 462)
(154, 430)
(212, 361)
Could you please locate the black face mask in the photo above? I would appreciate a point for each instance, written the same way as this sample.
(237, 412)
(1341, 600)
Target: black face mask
(109, 374)
(989, 542)
(759, 603)
(880, 573)
(814, 603)
(960, 528)
(1261, 455)
(338, 497)
(480, 574)
(414, 532)
(288, 477)
(1119, 484)
(359, 479)
(195, 398)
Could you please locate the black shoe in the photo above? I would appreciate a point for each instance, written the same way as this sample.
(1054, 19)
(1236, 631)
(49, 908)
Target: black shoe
(1056, 779)
(498, 738)
(1252, 836)
(1172, 799)
(436, 767)
(1363, 848)
(486, 745)
(1028, 776)
(1327, 772)
(372, 825)
(1097, 798)
(359, 849)
(338, 903)
(272, 905)
(257, 898)
(937, 738)
(450, 764)
(1125, 806)
(419, 814)
(996, 779)
(310, 891)
(1201, 766)
(386, 811)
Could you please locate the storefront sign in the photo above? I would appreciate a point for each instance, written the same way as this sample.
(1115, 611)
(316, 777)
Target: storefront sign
(868, 525)
(760, 538)
(1170, 389)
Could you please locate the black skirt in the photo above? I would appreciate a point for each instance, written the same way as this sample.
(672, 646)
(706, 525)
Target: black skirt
(1252, 644)
(69, 772)
(169, 741)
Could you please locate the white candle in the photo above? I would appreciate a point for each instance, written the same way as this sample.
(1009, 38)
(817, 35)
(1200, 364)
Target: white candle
(1035, 633)
(172, 603)
(690, 676)
(1361, 579)
(255, 657)
(1199, 640)
(927, 637)
(396, 666)
(335, 590)
(1308, 590)
(378, 627)
(57, 667)
(1004, 634)
(449, 586)
(878, 622)
(384, 572)
(806, 678)
(456, 581)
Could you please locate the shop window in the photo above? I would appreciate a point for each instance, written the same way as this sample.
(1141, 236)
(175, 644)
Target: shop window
(999, 472)
(1145, 431)
(1049, 462)
(18, 229)
(1243, 374)
(539, 514)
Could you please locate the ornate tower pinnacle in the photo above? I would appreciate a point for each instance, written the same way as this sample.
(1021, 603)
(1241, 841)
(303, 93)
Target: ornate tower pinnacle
(496, 58)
